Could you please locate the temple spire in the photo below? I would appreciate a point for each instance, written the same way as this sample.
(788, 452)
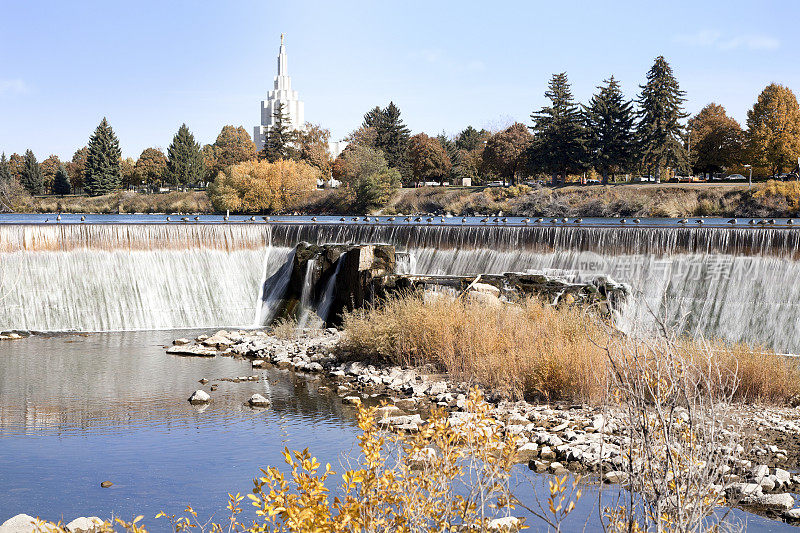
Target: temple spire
(282, 67)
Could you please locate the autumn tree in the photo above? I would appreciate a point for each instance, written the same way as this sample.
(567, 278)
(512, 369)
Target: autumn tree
(185, 162)
(609, 119)
(659, 128)
(366, 177)
(32, 174)
(262, 186)
(773, 129)
(312, 147)
(77, 167)
(128, 177)
(61, 184)
(150, 167)
(363, 136)
(233, 145)
(428, 159)
(280, 138)
(715, 140)
(16, 164)
(559, 144)
(102, 169)
(49, 168)
(505, 153)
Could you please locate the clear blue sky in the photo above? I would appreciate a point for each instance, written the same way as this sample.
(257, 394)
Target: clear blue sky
(149, 66)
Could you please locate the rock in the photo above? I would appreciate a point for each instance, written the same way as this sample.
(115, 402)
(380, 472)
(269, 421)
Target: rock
(20, 523)
(192, 349)
(176, 342)
(616, 476)
(387, 411)
(256, 400)
(406, 404)
(105, 484)
(737, 491)
(527, 452)
(199, 396)
(485, 288)
(85, 524)
(509, 523)
(351, 400)
(14, 336)
(767, 484)
(558, 469)
(782, 476)
(779, 502)
(792, 515)
(202, 381)
(214, 387)
(482, 298)
(258, 363)
(217, 341)
(759, 472)
(538, 466)
(424, 457)
(547, 453)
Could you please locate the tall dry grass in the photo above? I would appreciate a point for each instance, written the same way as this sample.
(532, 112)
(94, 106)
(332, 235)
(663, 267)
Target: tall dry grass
(533, 350)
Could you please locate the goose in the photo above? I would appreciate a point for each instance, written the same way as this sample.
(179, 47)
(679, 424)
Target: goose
(504, 219)
(682, 221)
(366, 219)
(464, 220)
(732, 221)
(441, 220)
(390, 219)
(636, 220)
(525, 221)
(252, 219)
(313, 219)
(565, 220)
(496, 220)
(752, 221)
(539, 220)
(197, 219)
(578, 220)
(342, 219)
(429, 220)
(83, 219)
(485, 220)
(553, 221)
(266, 219)
(418, 219)
(699, 221)
(169, 219)
(622, 221)
(762, 222)
(355, 219)
(185, 219)
(46, 220)
(225, 218)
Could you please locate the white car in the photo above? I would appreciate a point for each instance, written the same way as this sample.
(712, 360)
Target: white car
(735, 177)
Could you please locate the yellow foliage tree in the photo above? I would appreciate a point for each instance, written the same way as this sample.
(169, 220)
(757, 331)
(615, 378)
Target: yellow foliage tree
(261, 186)
(774, 128)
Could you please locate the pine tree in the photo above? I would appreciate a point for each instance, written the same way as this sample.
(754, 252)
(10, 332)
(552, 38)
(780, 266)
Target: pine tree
(392, 136)
(660, 113)
(559, 146)
(279, 139)
(185, 162)
(102, 171)
(32, 174)
(61, 184)
(609, 121)
(5, 169)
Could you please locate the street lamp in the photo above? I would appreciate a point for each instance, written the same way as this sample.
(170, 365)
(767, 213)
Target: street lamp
(750, 178)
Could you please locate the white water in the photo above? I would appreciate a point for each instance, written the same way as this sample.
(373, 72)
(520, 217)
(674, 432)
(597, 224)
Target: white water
(324, 308)
(740, 284)
(306, 305)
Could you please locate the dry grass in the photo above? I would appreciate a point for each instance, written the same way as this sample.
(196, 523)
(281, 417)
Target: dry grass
(532, 350)
(193, 202)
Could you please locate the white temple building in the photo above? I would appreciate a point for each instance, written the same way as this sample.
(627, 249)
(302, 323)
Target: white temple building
(282, 94)
(293, 107)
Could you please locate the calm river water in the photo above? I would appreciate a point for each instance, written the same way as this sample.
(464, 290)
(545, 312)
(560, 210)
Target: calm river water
(76, 410)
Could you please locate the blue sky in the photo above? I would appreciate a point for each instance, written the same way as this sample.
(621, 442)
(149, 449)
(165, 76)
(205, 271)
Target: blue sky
(149, 66)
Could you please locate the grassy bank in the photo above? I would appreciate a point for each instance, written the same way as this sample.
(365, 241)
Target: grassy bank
(772, 199)
(533, 351)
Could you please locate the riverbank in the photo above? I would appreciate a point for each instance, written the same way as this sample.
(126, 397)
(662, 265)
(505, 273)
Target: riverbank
(587, 438)
(774, 199)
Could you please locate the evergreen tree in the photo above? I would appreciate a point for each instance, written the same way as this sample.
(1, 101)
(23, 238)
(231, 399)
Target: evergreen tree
(610, 124)
(391, 136)
(185, 162)
(470, 139)
(280, 137)
(102, 170)
(61, 181)
(5, 169)
(660, 113)
(559, 146)
(32, 174)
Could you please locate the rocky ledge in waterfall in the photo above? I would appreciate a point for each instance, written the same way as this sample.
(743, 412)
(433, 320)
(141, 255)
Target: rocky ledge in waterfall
(553, 439)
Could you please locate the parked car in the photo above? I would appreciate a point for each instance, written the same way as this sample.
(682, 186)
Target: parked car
(495, 184)
(735, 177)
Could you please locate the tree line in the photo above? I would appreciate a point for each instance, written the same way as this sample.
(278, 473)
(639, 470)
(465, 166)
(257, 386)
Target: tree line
(607, 136)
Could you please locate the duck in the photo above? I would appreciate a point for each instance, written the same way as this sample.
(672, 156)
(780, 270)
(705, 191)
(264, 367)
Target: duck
(184, 219)
(342, 219)
(313, 219)
(752, 222)
(83, 219)
(429, 220)
(525, 221)
(496, 220)
(771, 221)
(390, 219)
(622, 221)
(464, 220)
(762, 222)
(355, 219)
(58, 218)
(418, 219)
(408, 219)
(266, 219)
(578, 220)
(636, 220)
(565, 220)
(46, 220)
(485, 220)
(225, 218)
(197, 219)
(699, 221)
(789, 222)
(732, 221)
(504, 220)
(539, 220)
(252, 219)
(553, 220)
(683, 221)
(169, 219)
(366, 219)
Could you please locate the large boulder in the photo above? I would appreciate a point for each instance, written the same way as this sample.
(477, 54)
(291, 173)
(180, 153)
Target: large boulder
(84, 524)
(20, 523)
(199, 396)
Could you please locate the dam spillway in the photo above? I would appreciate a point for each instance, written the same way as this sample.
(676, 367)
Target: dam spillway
(737, 283)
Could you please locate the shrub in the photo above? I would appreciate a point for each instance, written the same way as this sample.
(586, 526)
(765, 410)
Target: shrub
(261, 186)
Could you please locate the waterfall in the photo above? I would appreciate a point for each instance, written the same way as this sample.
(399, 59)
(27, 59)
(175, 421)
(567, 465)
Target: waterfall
(324, 307)
(738, 283)
(306, 305)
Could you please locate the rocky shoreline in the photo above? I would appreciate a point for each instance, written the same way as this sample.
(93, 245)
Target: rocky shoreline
(555, 438)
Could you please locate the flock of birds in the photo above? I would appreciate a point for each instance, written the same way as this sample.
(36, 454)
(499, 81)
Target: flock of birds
(486, 220)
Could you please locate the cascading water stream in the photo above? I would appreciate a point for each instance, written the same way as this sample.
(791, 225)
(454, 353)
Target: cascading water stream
(324, 307)
(306, 305)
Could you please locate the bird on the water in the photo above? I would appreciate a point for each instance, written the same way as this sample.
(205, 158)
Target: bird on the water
(752, 221)
(732, 221)
(565, 220)
(485, 220)
(196, 219)
(622, 221)
(313, 219)
(408, 219)
(683, 221)
(578, 220)
(185, 219)
(553, 221)
(252, 219)
(266, 219)
(539, 220)
(169, 219)
(355, 219)
(342, 219)
(699, 221)
(418, 219)
(771, 221)
(789, 222)
(226, 217)
(390, 219)
(525, 221)
(83, 219)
